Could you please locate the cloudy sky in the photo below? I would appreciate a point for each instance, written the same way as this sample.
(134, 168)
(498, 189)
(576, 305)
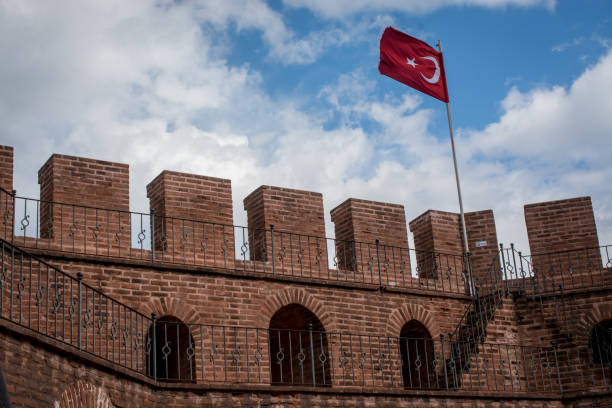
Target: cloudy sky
(287, 93)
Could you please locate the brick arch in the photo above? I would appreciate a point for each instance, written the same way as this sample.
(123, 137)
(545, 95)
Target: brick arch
(298, 296)
(586, 323)
(84, 395)
(171, 306)
(408, 312)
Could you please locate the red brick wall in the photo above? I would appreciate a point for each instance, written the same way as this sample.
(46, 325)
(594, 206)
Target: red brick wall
(440, 231)
(358, 224)
(480, 226)
(563, 225)
(299, 229)
(38, 375)
(83, 181)
(73, 183)
(6, 182)
(193, 217)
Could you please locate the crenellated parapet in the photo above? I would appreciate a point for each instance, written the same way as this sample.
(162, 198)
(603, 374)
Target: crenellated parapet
(439, 232)
(563, 241)
(367, 229)
(84, 209)
(192, 218)
(85, 202)
(298, 242)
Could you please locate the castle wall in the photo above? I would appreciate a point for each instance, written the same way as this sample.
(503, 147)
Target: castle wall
(563, 242)
(47, 374)
(359, 224)
(298, 242)
(228, 304)
(193, 218)
(69, 185)
(440, 232)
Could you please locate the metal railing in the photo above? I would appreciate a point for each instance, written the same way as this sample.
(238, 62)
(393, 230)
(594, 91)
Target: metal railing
(41, 297)
(32, 223)
(570, 269)
(35, 295)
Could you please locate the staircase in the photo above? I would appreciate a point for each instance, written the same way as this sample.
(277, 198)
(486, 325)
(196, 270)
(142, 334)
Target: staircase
(489, 291)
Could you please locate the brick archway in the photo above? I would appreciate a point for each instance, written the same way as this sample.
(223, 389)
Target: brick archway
(298, 296)
(171, 306)
(84, 395)
(586, 323)
(408, 312)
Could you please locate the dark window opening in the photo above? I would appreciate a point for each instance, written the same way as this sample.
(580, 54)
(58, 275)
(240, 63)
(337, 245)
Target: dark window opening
(171, 352)
(418, 356)
(298, 348)
(600, 343)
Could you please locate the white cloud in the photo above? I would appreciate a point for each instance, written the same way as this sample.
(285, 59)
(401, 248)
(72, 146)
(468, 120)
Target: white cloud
(554, 142)
(344, 8)
(149, 86)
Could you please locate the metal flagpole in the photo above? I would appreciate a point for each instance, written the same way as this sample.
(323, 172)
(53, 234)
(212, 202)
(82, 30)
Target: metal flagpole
(450, 129)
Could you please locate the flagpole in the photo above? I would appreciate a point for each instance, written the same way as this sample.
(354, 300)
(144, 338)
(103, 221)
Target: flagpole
(452, 139)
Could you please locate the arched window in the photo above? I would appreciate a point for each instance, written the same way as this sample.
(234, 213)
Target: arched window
(418, 355)
(600, 342)
(298, 348)
(174, 356)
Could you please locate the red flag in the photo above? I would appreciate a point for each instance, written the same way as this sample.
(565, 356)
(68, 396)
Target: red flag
(413, 63)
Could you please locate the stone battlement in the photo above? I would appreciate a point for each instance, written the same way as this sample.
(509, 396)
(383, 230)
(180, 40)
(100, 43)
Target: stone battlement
(552, 226)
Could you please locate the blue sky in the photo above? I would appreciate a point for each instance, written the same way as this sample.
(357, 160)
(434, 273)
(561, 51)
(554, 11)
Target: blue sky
(287, 93)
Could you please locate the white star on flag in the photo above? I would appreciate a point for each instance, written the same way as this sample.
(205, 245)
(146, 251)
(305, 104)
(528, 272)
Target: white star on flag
(411, 62)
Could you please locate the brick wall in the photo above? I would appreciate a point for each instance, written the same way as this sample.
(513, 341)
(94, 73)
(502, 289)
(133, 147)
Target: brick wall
(440, 231)
(6, 182)
(563, 225)
(39, 374)
(68, 185)
(299, 240)
(482, 241)
(193, 218)
(358, 224)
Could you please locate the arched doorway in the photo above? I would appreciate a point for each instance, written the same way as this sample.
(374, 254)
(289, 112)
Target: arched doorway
(418, 356)
(171, 352)
(298, 348)
(600, 343)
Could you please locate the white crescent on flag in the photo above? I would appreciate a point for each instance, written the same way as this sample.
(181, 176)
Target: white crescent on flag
(436, 76)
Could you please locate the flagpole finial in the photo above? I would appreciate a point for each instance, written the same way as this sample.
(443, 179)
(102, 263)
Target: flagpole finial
(439, 45)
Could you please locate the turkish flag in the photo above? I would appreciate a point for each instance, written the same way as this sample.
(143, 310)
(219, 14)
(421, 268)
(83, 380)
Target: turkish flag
(413, 63)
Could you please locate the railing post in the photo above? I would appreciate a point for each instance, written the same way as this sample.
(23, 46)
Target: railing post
(569, 335)
(554, 345)
(312, 359)
(272, 249)
(154, 358)
(12, 232)
(79, 315)
(482, 331)
(378, 262)
(444, 361)
(152, 235)
(501, 249)
(514, 266)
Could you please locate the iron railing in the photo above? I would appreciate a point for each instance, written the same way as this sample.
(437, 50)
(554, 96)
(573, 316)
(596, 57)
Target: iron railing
(546, 277)
(36, 224)
(40, 297)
